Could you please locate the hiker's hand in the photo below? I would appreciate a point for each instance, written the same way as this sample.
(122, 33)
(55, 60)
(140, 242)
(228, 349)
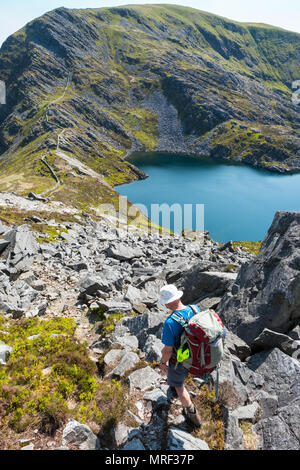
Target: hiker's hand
(163, 367)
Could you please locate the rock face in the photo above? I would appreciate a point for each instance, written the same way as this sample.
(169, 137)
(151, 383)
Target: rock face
(266, 293)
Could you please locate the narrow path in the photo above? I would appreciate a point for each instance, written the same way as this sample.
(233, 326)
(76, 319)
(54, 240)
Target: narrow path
(55, 187)
(53, 174)
(62, 95)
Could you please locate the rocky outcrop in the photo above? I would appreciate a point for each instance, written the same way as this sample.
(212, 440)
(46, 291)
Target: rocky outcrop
(266, 293)
(21, 247)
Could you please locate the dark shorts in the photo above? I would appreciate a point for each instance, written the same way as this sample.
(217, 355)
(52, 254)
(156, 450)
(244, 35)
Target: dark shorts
(176, 376)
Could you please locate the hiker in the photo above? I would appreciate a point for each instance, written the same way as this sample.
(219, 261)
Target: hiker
(193, 343)
(170, 297)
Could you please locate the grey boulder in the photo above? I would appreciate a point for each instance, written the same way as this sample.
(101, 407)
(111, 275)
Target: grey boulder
(128, 361)
(153, 348)
(22, 248)
(143, 379)
(123, 252)
(181, 440)
(80, 435)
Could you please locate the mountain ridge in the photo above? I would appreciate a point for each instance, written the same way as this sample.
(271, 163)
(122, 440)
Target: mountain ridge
(218, 81)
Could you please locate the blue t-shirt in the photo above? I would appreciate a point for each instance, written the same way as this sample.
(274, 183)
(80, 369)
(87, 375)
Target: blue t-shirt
(172, 329)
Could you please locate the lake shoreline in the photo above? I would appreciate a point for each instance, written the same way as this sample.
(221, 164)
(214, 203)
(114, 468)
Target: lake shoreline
(222, 174)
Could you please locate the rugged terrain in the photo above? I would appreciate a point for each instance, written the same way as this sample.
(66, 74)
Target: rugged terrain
(86, 88)
(80, 335)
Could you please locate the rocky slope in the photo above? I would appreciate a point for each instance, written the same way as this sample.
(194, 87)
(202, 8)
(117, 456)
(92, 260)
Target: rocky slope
(85, 88)
(107, 279)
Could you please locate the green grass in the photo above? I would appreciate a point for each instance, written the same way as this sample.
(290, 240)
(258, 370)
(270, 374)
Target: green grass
(251, 247)
(44, 374)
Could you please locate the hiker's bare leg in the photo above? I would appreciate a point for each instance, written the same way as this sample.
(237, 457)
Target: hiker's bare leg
(184, 396)
(189, 408)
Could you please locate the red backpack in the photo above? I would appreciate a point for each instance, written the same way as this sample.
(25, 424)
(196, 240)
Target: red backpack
(201, 343)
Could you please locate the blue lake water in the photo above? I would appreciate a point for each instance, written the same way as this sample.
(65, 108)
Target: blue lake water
(239, 201)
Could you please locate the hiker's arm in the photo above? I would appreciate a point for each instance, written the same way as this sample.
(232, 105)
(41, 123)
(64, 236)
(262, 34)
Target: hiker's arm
(165, 356)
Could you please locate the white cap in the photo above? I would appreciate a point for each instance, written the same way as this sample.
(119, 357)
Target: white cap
(169, 293)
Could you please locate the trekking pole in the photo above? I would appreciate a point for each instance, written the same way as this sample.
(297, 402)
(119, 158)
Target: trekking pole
(217, 384)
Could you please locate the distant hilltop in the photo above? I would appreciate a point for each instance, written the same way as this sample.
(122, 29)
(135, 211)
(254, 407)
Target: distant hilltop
(85, 88)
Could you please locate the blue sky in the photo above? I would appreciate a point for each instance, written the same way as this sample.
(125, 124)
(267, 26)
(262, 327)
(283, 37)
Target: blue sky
(14, 14)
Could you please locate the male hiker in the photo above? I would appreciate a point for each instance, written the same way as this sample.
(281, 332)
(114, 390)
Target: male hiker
(170, 297)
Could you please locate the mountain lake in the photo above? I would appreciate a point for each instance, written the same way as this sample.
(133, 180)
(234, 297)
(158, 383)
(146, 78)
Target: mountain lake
(232, 201)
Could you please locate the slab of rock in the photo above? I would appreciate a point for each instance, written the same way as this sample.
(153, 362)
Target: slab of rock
(119, 434)
(295, 333)
(140, 308)
(37, 197)
(133, 295)
(157, 397)
(79, 266)
(181, 440)
(128, 361)
(125, 341)
(38, 285)
(268, 404)
(123, 252)
(3, 228)
(113, 355)
(233, 435)
(28, 447)
(237, 346)
(91, 284)
(153, 348)
(115, 306)
(196, 284)
(269, 339)
(208, 302)
(80, 435)
(247, 413)
(143, 378)
(143, 325)
(292, 348)
(22, 248)
(3, 244)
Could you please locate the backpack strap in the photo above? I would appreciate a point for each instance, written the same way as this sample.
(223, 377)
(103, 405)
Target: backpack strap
(179, 319)
(193, 307)
(182, 321)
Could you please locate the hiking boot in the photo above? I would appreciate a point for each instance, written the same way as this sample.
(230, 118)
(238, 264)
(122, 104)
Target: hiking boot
(192, 414)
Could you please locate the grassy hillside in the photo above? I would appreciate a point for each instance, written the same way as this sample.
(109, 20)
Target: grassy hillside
(93, 84)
